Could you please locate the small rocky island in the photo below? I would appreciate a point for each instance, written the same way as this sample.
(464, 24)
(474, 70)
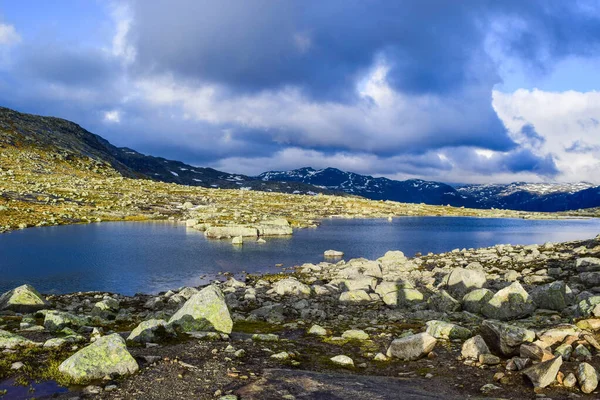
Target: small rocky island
(503, 322)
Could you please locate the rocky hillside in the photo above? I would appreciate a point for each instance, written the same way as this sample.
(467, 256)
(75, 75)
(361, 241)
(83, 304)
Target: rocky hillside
(548, 197)
(67, 140)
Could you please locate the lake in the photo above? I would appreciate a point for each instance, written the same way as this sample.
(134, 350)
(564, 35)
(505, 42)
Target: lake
(148, 257)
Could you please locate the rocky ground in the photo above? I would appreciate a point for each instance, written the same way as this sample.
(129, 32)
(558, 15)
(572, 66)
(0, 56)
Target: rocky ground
(503, 322)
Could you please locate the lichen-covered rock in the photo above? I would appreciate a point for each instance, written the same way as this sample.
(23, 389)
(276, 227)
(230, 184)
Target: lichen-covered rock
(407, 297)
(447, 330)
(585, 308)
(461, 281)
(544, 373)
(474, 347)
(23, 299)
(354, 296)
(342, 360)
(153, 330)
(10, 340)
(412, 347)
(512, 302)
(57, 320)
(108, 355)
(587, 377)
(443, 302)
(291, 286)
(505, 339)
(553, 296)
(204, 311)
(476, 299)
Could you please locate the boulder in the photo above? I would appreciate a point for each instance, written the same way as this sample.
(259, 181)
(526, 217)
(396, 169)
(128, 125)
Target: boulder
(291, 287)
(443, 302)
(355, 296)
(219, 232)
(590, 279)
(392, 258)
(474, 300)
(388, 291)
(106, 356)
(274, 230)
(11, 341)
(412, 347)
(512, 302)
(342, 360)
(151, 331)
(505, 339)
(204, 311)
(408, 297)
(447, 330)
(333, 253)
(474, 347)
(587, 377)
(23, 299)
(237, 240)
(544, 373)
(585, 307)
(587, 264)
(461, 281)
(56, 320)
(553, 296)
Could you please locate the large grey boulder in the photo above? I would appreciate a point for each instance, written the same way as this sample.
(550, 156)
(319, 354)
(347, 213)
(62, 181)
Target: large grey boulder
(553, 296)
(460, 281)
(153, 330)
(204, 311)
(544, 373)
(443, 302)
(512, 302)
(56, 320)
(23, 299)
(476, 299)
(408, 297)
(412, 347)
(108, 355)
(505, 339)
(585, 307)
(291, 287)
(587, 264)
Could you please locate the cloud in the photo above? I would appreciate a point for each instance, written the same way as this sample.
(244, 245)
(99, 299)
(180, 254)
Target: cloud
(8, 35)
(113, 116)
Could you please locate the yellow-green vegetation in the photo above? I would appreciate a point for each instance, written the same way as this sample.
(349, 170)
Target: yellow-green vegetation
(255, 327)
(39, 365)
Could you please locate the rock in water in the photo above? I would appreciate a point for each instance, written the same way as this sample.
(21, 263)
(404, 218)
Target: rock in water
(152, 330)
(412, 347)
(544, 373)
(23, 299)
(587, 377)
(461, 281)
(106, 356)
(503, 338)
(333, 253)
(512, 302)
(204, 311)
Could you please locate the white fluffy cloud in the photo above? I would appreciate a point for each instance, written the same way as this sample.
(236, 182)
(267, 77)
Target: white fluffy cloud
(8, 35)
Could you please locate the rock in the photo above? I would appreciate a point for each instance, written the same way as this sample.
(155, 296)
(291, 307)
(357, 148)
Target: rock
(366, 283)
(581, 353)
(191, 223)
(587, 377)
(447, 330)
(291, 287)
(204, 311)
(272, 313)
(408, 297)
(570, 380)
(488, 359)
(342, 360)
(57, 320)
(553, 296)
(333, 253)
(153, 330)
(564, 350)
(461, 281)
(412, 347)
(265, 229)
(355, 296)
(474, 347)
(544, 373)
(587, 264)
(317, 331)
(443, 302)
(505, 339)
(265, 337)
(237, 240)
(108, 355)
(474, 300)
(558, 334)
(23, 299)
(219, 232)
(392, 258)
(355, 334)
(106, 308)
(535, 351)
(282, 356)
(586, 307)
(512, 302)
(11, 341)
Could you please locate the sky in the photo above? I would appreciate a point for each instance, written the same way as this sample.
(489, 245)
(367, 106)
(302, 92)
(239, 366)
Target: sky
(476, 91)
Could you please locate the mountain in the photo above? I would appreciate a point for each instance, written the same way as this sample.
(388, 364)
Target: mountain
(410, 191)
(515, 196)
(67, 140)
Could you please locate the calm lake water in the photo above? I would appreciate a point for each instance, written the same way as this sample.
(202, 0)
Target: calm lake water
(148, 257)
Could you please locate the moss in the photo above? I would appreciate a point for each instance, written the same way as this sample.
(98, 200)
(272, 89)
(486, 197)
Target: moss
(255, 327)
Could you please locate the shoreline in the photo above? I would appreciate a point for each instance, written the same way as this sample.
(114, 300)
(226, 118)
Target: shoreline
(376, 313)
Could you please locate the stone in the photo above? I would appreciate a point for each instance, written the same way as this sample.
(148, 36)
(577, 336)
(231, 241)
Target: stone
(265, 337)
(558, 334)
(544, 373)
(474, 347)
(282, 356)
(581, 353)
(237, 240)
(443, 302)
(291, 287)
(564, 350)
(355, 296)
(460, 281)
(219, 232)
(392, 258)
(317, 331)
(365, 283)
(586, 307)
(534, 351)
(570, 380)
(23, 299)
(505, 339)
(412, 347)
(153, 331)
(587, 264)
(488, 359)
(204, 311)
(108, 355)
(57, 320)
(474, 300)
(106, 308)
(553, 296)
(11, 341)
(512, 302)
(342, 360)
(587, 377)
(333, 253)
(408, 297)
(447, 330)
(355, 334)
